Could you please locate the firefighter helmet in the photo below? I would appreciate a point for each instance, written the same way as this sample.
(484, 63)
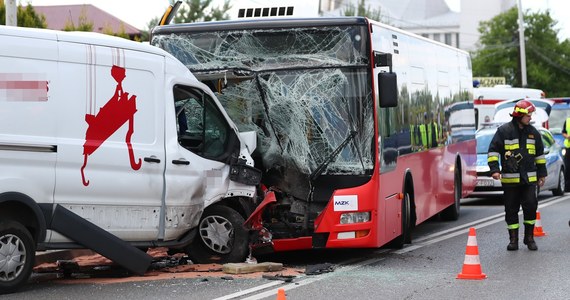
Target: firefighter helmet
(523, 107)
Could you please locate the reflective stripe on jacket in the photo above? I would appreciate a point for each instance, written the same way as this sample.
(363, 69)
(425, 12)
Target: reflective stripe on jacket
(521, 154)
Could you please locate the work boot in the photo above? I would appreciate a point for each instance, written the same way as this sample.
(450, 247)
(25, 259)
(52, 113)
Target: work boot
(514, 239)
(529, 237)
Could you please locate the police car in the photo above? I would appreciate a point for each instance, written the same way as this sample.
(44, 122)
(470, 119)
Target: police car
(487, 186)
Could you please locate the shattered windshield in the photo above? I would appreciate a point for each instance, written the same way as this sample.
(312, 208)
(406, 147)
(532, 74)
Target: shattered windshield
(306, 91)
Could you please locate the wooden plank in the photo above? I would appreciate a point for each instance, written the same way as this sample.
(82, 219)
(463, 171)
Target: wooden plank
(244, 268)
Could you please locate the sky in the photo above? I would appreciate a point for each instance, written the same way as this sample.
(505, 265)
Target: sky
(139, 12)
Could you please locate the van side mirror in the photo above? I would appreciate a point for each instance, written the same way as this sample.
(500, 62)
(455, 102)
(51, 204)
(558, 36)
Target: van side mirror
(387, 89)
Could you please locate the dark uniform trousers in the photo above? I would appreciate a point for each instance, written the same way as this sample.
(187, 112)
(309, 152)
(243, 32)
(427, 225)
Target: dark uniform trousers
(517, 196)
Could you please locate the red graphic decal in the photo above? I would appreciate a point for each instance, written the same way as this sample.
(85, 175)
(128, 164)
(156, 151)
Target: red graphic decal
(119, 110)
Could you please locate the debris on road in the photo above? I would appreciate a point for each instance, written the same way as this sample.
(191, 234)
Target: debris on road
(94, 268)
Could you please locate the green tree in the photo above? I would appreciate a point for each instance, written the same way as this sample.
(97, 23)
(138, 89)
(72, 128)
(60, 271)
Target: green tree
(192, 11)
(27, 16)
(363, 11)
(546, 57)
(108, 29)
(201, 11)
(145, 34)
(83, 23)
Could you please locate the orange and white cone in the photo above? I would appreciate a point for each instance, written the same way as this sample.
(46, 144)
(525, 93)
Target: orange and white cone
(471, 264)
(281, 294)
(538, 226)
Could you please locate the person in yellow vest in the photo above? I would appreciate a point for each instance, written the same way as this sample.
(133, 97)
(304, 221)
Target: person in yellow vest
(430, 132)
(566, 135)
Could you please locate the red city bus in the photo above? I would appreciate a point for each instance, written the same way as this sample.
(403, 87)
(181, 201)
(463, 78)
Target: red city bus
(343, 165)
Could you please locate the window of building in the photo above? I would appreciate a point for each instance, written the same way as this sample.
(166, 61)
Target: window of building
(448, 39)
(457, 40)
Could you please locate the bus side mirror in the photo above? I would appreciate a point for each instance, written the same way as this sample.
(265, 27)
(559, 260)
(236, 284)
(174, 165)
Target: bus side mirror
(387, 89)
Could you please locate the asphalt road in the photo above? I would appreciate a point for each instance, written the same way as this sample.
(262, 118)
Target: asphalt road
(426, 269)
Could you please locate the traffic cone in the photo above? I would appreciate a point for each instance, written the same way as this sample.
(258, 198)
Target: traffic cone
(281, 294)
(538, 226)
(471, 264)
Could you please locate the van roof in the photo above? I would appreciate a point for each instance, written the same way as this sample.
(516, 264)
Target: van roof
(506, 92)
(82, 37)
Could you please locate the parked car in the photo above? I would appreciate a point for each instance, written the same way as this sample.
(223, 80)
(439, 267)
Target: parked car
(487, 186)
(540, 117)
(560, 111)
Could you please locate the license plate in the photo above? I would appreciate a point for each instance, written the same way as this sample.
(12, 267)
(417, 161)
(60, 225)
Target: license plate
(485, 182)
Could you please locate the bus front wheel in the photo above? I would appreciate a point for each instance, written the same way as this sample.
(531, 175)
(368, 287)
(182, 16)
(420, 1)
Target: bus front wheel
(406, 236)
(452, 212)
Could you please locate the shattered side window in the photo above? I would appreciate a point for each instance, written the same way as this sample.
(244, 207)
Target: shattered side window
(202, 129)
(306, 91)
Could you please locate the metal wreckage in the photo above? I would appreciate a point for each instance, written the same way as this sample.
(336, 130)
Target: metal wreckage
(306, 93)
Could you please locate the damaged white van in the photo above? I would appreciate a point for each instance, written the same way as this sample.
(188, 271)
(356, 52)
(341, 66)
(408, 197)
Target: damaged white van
(114, 146)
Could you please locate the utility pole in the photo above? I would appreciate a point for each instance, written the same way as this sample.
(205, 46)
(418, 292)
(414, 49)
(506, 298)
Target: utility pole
(11, 13)
(521, 45)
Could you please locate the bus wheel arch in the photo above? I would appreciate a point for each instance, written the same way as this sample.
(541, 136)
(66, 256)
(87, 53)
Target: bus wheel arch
(452, 212)
(408, 213)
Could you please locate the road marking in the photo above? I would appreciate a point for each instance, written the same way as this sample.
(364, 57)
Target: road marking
(347, 265)
(350, 264)
(462, 229)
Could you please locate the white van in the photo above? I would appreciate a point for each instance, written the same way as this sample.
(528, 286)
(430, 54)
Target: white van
(114, 145)
(485, 99)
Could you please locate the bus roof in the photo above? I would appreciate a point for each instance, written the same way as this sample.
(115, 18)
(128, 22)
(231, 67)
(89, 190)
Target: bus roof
(259, 24)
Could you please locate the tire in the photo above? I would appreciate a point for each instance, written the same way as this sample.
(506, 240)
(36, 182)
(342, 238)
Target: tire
(17, 256)
(452, 212)
(561, 187)
(406, 236)
(221, 237)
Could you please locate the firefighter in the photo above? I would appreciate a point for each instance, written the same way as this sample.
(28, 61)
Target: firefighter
(518, 146)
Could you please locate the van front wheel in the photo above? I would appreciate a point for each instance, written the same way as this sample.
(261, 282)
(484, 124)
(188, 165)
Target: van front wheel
(221, 237)
(17, 254)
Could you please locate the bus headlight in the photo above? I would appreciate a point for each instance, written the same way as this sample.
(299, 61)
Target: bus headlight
(354, 217)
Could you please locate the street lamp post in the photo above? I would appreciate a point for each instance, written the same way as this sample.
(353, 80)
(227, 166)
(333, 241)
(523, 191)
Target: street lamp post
(11, 13)
(521, 45)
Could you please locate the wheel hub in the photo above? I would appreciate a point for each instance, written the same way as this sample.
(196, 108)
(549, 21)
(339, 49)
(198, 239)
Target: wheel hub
(12, 257)
(217, 233)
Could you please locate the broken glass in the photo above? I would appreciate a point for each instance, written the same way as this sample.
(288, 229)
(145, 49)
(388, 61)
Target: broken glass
(306, 91)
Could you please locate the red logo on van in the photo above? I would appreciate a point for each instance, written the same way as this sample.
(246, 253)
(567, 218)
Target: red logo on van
(119, 110)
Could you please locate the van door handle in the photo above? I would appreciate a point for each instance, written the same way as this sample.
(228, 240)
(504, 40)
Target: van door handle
(180, 162)
(152, 159)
